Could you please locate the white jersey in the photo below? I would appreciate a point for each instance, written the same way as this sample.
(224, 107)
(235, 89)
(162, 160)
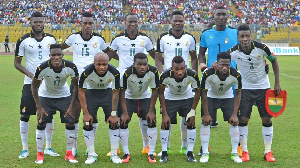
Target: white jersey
(138, 87)
(220, 89)
(89, 79)
(54, 84)
(171, 46)
(252, 65)
(35, 51)
(84, 50)
(128, 47)
(179, 90)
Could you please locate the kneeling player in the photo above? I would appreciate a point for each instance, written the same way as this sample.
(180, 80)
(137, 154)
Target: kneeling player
(99, 87)
(178, 97)
(135, 96)
(54, 94)
(217, 93)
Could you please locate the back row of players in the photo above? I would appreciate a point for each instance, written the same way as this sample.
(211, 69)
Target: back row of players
(102, 85)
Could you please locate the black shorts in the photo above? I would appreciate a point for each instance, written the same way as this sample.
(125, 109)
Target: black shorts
(251, 97)
(96, 98)
(50, 105)
(181, 106)
(27, 106)
(226, 105)
(139, 106)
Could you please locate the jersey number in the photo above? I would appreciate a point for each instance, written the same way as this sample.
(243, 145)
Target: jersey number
(56, 82)
(251, 66)
(219, 47)
(178, 51)
(220, 89)
(40, 55)
(140, 88)
(132, 52)
(85, 52)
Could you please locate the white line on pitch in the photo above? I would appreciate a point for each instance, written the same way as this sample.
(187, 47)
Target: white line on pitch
(296, 77)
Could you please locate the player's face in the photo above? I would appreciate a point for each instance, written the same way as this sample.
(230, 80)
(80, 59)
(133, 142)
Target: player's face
(244, 37)
(179, 70)
(132, 23)
(221, 17)
(101, 65)
(177, 22)
(56, 56)
(141, 66)
(87, 25)
(37, 24)
(223, 66)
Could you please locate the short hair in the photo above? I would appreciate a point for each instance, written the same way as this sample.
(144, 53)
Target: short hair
(140, 56)
(86, 14)
(223, 55)
(176, 13)
(52, 46)
(130, 14)
(243, 27)
(36, 14)
(177, 60)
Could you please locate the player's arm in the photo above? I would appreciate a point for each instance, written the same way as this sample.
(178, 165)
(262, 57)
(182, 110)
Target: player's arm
(206, 118)
(113, 119)
(112, 54)
(159, 62)
(152, 54)
(202, 58)
(124, 117)
(64, 46)
(20, 67)
(165, 117)
(70, 110)
(40, 110)
(276, 74)
(194, 61)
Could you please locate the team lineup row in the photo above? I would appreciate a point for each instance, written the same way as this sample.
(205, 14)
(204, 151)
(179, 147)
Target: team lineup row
(102, 85)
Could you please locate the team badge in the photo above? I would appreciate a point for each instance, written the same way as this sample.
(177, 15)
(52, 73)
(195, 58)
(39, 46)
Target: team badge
(259, 57)
(149, 80)
(226, 41)
(275, 105)
(187, 43)
(24, 110)
(95, 45)
(67, 75)
(48, 46)
(109, 81)
(142, 44)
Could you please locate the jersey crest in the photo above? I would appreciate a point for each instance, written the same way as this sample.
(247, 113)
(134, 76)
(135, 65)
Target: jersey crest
(275, 105)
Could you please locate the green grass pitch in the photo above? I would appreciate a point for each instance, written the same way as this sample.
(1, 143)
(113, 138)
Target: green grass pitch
(285, 142)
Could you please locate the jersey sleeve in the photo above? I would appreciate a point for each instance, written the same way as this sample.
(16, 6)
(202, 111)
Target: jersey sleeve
(159, 45)
(114, 44)
(124, 81)
(69, 40)
(203, 41)
(83, 80)
(39, 73)
(204, 81)
(149, 44)
(269, 56)
(238, 85)
(74, 71)
(20, 48)
(193, 44)
(116, 81)
(103, 45)
(155, 81)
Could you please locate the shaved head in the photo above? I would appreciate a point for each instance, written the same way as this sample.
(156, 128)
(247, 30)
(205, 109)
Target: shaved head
(101, 56)
(101, 63)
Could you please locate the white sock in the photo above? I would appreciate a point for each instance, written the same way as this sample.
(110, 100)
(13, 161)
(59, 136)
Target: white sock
(152, 133)
(124, 134)
(235, 137)
(89, 139)
(75, 136)
(204, 136)
(164, 138)
(183, 128)
(40, 135)
(191, 135)
(49, 133)
(114, 140)
(24, 133)
(268, 137)
(95, 126)
(70, 136)
(144, 128)
(244, 138)
(169, 138)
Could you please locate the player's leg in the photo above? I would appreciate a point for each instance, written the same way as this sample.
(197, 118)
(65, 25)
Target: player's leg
(142, 107)
(77, 110)
(48, 134)
(183, 128)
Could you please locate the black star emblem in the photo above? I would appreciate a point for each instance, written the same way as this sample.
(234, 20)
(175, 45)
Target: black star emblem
(179, 86)
(57, 77)
(221, 84)
(140, 82)
(178, 44)
(40, 47)
(76, 43)
(132, 45)
(84, 45)
(101, 80)
(249, 59)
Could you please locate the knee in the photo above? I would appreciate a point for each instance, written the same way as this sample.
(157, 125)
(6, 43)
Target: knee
(243, 120)
(266, 121)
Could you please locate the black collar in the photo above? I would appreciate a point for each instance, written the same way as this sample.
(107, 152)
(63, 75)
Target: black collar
(241, 49)
(172, 76)
(51, 66)
(126, 35)
(86, 39)
(133, 71)
(171, 33)
(38, 40)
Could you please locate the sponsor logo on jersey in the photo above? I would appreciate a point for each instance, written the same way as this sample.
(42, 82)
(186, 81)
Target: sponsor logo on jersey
(226, 40)
(95, 45)
(212, 37)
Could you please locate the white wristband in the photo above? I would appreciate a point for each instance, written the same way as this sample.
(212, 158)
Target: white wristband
(192, 113)
(113, 113)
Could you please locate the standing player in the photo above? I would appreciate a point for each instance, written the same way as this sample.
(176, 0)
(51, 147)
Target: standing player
(53, 94)
(86, 44)
(127, 44)
(217, 93)
(34, 46)
(99, 87)
(249, 56)
(176, 42)
(218, 38)
(135, 96)
(178, 97)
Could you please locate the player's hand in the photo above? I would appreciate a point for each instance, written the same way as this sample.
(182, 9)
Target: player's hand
(151, 118)
(40, 113)
(166, 122)
(203, 68)
(87, 120)
(277, 89)
(113, 121)
(70, 112)
(191, 122)
(234, 120)
(206, 119)
(215, 65)
(125, 119)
